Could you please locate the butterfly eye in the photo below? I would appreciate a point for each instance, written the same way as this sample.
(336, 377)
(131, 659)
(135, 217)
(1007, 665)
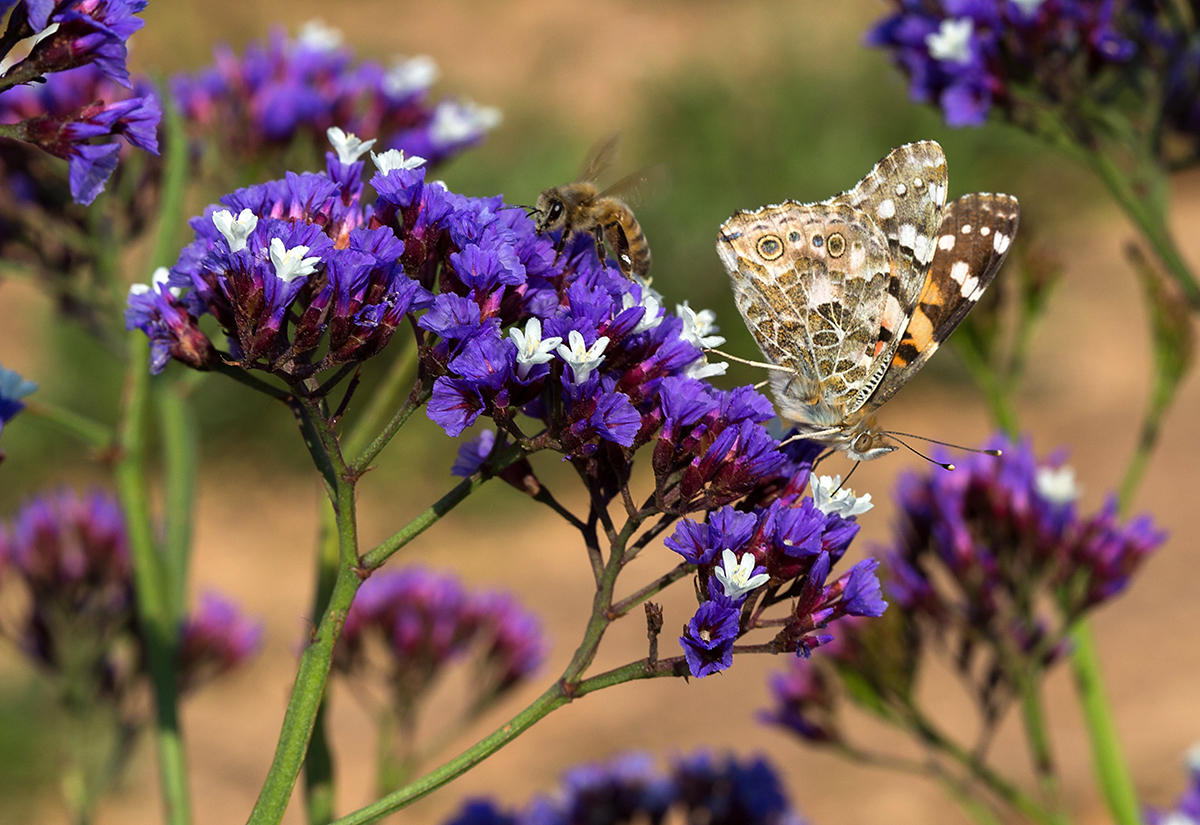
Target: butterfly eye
(836, 245)
(770, 247)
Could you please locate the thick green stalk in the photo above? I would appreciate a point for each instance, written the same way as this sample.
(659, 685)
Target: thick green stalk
(309, 688)
(152, 597)
(93, 433)
(1037, 735)
(318, 763)
(401, 371)
(177, 427)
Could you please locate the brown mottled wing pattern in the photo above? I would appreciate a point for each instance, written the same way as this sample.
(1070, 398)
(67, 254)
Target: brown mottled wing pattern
(904, 195)
(971, 244)
(811, 282)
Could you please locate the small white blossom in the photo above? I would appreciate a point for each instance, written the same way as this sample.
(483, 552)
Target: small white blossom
(1177, 818)
(532, 348)
(1028, 7)
(832, 499)
(1057, 485)
(236, 230)
(580, 358)
(1191, 759)
(699, 327)
(455, 122)
(653, 315)
(348, 146)
(701, 369)
(315, 34)
(157, 281)
(737, 577)
(952, 40)
(291, 264)
(394, 159)
(410, 75)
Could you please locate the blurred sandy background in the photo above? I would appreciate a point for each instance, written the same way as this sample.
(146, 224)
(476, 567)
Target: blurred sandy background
(747, 103)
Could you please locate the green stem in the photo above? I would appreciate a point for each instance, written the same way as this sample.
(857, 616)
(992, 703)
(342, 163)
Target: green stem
(401, 372)
(93, 433)
(1037, 735)
(177, 427)
(415, 399)
(160, 633)
(657, 586)
(994, 390)
(1108, 758)
(318, 763)
(309, 688)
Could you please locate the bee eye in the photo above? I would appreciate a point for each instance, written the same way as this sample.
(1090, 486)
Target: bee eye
(556, 209)
(770, 247)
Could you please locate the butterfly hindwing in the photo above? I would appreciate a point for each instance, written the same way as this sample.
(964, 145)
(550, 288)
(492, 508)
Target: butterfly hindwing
(972, 242)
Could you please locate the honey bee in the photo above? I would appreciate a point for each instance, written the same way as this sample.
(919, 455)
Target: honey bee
(583, 207)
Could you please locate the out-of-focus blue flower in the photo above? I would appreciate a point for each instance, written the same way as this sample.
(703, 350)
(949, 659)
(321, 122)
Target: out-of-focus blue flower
(12, 389)
(296, 87)
(699, 787)
(1187, 807)
(968, 56)
(429, 620)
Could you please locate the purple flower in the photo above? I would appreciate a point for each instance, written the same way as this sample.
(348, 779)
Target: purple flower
(216, 639)
(284, 89)
(472, 454)
(708, 638)
(1187, 807)
(428, 620)
(85, 32)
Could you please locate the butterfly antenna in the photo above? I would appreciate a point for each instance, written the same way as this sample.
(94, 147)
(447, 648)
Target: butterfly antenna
(947, 444)
(943, 465)
(761, 364)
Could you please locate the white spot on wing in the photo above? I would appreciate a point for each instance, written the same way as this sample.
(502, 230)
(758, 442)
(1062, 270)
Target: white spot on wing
(1000, 243)
(946, 242)
(969, 285)
(985, 231)
(901, 189)
(886, 209)
(923, 249)
(966, 229)
(959, 272)
(908, 236)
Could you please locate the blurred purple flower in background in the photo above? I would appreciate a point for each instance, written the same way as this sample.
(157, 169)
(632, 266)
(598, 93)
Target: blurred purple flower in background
(12, 389)
(699, 787)
(1187, 807)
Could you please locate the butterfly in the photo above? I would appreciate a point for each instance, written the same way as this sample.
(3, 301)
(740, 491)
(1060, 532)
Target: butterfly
(847, 298)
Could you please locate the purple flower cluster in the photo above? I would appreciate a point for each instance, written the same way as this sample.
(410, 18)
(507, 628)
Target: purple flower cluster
(1002, 530)
(79, 113)
(783, 551)
(70, 555)
(429, 620)
(286, 89)
(12, 389)
(967, 56)
(1187, 807)
(700, 787)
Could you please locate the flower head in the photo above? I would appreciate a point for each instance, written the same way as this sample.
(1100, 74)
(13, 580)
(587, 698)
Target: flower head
(738, 578)
(832, 499)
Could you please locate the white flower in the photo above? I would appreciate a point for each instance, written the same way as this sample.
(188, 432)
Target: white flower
(580, 358)
(1028, 7)
(532, 348)
(394, 159)
(699, 327)
(291, 264)
(455, 122)
(1191, 759)
(315, 34)
(13, 386)
(1177, 818)
(701, 369)
(737, 577)
(348, 146)
(952, 40)
(832, 499)
(1057, 486)
(410, 75)
(236, 230)
(157, 281)
(653, 316)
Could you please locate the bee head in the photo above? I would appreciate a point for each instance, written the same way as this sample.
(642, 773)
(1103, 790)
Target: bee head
(550, 210)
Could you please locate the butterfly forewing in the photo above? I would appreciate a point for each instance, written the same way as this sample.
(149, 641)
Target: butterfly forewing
(811, 283)
(971, 245)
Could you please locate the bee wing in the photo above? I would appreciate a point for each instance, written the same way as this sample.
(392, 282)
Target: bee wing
(636, 187)
(600, 157)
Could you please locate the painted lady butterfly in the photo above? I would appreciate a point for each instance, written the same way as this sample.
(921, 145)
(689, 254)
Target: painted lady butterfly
(852, 295)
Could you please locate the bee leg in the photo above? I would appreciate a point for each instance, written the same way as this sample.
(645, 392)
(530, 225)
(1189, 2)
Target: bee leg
(598, 233)
(620, 244)
(559, 244)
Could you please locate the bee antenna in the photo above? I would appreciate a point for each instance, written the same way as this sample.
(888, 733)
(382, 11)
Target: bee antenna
(948, 444)
(916, 452)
